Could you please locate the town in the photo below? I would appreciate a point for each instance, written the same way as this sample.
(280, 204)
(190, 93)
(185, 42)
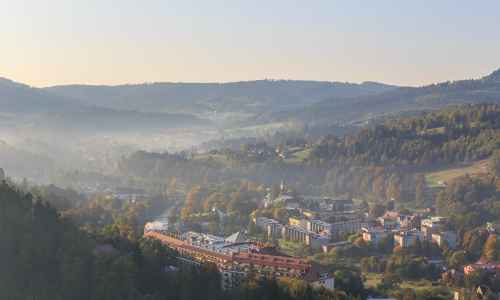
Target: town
(321, 225)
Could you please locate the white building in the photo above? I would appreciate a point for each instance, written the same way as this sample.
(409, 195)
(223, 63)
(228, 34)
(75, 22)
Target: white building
(156, 226)
(432, 225)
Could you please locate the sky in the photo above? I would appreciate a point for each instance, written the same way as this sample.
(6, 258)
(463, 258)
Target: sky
(52, 42)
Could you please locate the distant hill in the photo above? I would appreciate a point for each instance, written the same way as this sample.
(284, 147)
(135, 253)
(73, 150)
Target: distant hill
(248, 97)
(63, 112)
(20, 98)
(398, 100)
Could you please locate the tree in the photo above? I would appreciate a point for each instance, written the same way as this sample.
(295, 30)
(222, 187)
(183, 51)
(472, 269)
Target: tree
(420, 187)
(409, 294)
(457, 259)
(495, 163)
(394, 188)
(491, 247)
(377, 210)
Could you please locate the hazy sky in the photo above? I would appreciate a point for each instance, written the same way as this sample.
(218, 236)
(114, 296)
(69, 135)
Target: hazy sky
(47, 42)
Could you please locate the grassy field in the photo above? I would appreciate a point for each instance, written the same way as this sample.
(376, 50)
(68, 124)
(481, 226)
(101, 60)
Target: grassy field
(373, 279)
(298, 157)
(291, 248)
(222, 159)
(447, 175)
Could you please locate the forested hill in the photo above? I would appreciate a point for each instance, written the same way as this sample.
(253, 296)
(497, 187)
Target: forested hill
(20, 98)
(403, 99)
(247, 97)
(458, 134)
(59, 111)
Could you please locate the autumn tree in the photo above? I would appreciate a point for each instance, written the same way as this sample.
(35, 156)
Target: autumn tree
(491, 248)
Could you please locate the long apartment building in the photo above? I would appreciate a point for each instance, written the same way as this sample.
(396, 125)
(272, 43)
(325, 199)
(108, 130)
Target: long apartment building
(302, 235)
(234, 265)
(336, 228)
(240, 261)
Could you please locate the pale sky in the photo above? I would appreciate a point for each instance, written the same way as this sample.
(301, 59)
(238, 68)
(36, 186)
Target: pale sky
(49, 42)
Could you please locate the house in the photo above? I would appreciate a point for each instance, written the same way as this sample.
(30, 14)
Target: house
(374, 235)
(405, 239)
(448, 237)
(432, 225)
(408, 222)
(340, 245)
(237, 237)
(481, 265)
(318, 276)
(390, 220)
(158, 225)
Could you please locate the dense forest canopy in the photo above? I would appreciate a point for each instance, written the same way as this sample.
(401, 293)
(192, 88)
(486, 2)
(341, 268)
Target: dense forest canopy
(453, 135)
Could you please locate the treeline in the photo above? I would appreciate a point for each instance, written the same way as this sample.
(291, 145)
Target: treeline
(146, 168)
(470, 202)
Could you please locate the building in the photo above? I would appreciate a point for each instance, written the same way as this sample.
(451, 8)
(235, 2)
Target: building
(405, 239)
(130, 194)
(159, 225)
(448, 237)
(262, 222)
(350, 226)
(292, 204)
(302, 235)
(342, 205)
(236, 265)
(339, 245)
(390, 220)
(481, 265)
(295, 233)
(309, 213)
(432, 225)
(375, 235)
(236, 238)
(274, 230)
(331, 205)
(408, 222)
(231, 278)
(318, 276)
(297, 222)
(319, 226)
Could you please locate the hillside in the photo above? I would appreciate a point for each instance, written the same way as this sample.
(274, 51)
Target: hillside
(398, 100)
(248, 97)
(460, 134)
(19, 98)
